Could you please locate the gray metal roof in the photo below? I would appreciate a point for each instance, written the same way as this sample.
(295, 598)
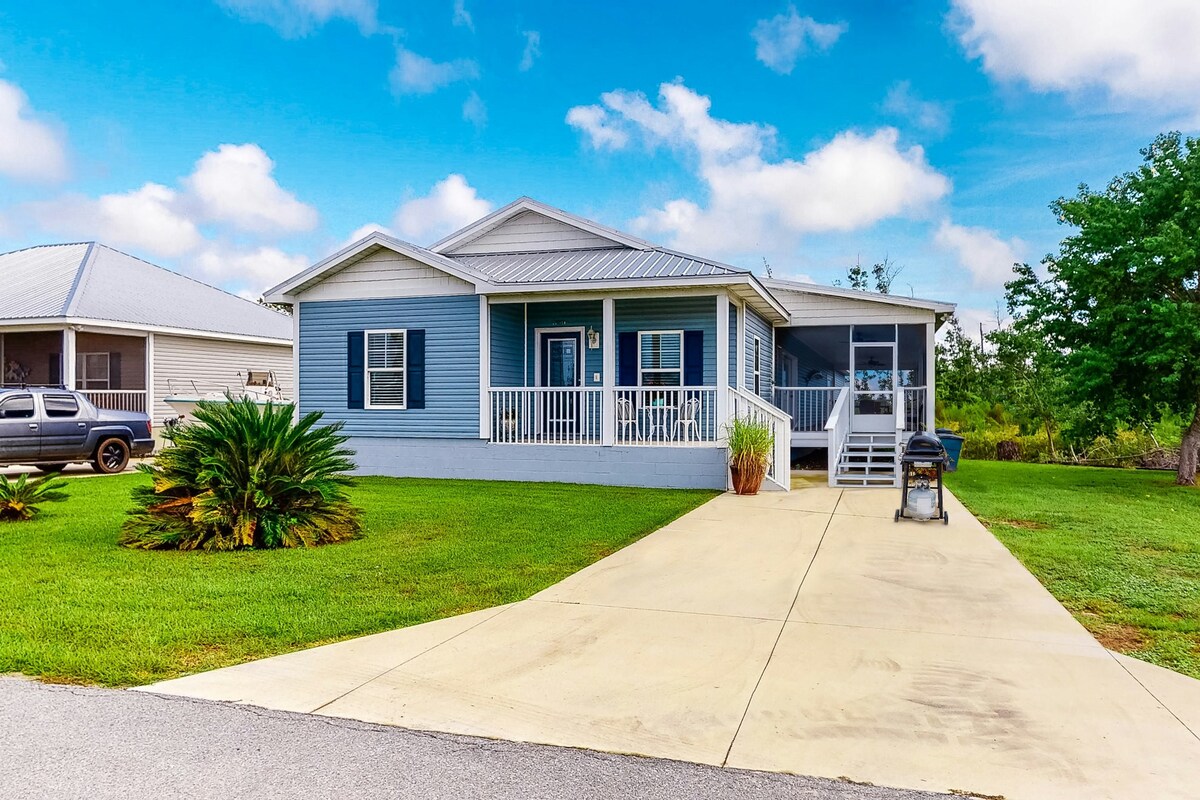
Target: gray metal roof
(607, 264)
(91, 281)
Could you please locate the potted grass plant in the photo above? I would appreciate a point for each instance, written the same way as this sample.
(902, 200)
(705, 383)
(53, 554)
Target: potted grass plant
(751, 443)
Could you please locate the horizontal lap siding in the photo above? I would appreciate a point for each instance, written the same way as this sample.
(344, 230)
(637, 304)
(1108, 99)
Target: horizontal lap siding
(812, 309)
(532, 232)
(674, 313)
(733, 348)
(451, 326)
(568, 314)
(507, 339)
(213, 364)
(757, 327)
(386, 273)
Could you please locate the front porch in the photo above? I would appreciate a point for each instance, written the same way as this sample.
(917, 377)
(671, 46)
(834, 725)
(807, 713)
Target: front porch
(662, 371)
(111, 369)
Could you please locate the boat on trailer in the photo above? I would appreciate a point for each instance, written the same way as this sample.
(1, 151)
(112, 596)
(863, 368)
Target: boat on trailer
(260, 386)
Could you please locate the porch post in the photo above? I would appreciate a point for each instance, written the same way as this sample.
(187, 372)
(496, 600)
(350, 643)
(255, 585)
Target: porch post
(68, 356)
(608, 351)
(723, 359)
(149, 355)
(930, 368)
(485, 369)
(740, 378)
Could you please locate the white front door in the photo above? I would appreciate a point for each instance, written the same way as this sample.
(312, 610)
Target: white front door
(873, 387)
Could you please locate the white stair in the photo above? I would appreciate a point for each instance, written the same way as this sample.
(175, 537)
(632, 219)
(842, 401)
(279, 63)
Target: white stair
(868, 459)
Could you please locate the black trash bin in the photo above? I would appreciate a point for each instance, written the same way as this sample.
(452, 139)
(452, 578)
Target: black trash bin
(953, 444)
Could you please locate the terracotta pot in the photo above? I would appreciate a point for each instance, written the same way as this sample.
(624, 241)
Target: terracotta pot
(747, 481)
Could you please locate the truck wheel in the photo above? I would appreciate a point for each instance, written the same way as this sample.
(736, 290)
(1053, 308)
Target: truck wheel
(46, 469)
(111, 456)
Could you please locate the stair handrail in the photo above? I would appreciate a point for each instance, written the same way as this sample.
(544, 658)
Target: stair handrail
(837, 429)
(780, 470)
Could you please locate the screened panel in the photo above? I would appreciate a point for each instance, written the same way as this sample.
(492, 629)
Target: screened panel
(874, 333)
(387, 388)
(385, 350)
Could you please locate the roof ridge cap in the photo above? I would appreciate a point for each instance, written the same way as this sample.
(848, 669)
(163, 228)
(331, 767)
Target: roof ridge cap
(81, 273)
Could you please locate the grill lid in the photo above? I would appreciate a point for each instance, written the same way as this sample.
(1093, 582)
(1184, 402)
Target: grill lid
(925, 445)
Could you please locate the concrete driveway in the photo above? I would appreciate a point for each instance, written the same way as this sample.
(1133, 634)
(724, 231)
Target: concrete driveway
(802, 632)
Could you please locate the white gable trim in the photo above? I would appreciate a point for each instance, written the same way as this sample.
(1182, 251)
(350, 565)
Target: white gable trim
(936, 306)
(523, 204)
(286, 292)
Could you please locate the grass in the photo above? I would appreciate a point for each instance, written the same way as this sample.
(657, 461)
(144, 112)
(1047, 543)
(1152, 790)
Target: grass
(1119, 548)
(75, 607)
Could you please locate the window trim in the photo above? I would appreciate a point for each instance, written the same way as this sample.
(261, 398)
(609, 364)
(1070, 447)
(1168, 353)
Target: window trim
(81, 379)
(757, 365)
(368, 370)
(660, 370)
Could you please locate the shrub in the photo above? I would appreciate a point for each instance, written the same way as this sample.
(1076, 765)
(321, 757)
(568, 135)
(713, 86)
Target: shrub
(19, 498)
(245, 476)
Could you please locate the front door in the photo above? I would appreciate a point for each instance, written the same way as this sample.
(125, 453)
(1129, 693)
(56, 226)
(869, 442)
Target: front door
(562, 370)
(873, 374)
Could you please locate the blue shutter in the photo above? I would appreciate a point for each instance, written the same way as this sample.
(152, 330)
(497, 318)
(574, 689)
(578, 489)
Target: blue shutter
(355, 372)
(693, 358)
(416, 369)
(627, 358)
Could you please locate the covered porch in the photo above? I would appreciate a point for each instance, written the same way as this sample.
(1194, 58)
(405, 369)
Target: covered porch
(111, 368)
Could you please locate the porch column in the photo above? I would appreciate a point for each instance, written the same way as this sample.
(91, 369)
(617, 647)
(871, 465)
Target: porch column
(740, 378)
(723, 359)
(148, 353)
(608, 351)
(485, 370)
(68, 356)
(930, 367)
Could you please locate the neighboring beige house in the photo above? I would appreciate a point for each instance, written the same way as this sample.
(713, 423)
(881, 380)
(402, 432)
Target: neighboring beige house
(126, 332)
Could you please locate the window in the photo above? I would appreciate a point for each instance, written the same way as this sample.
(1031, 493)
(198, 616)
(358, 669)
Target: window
(60, 405)
(660, 358)
(19, 407)
(386, 368)
(92, 371)
(757, 365)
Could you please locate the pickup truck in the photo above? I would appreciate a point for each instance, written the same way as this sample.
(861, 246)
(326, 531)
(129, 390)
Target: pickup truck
(50, 428)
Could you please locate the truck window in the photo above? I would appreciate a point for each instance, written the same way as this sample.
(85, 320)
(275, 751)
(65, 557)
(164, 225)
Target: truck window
(19, 407)
(60, 405)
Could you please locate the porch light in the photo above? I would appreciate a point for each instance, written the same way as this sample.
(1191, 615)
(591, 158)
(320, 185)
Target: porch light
(593, 337)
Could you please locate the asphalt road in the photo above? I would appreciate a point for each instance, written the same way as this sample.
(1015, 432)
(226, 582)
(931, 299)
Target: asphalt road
(72, 742)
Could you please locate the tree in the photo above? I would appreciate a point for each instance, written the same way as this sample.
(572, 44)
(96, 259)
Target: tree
(961, 366)
(1121, 298)
(884, 272)
(1028, 379)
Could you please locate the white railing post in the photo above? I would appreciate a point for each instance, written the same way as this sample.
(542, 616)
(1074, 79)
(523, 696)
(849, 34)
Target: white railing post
(608, 352)
(836, 429)
(723, 358)
(930, 369)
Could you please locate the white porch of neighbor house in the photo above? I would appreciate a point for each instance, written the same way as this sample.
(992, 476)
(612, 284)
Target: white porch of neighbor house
(113, 369)
(620, 371)
(857, 391)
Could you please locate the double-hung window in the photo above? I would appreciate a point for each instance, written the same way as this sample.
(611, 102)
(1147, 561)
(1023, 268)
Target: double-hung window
(660, 358)
(387, 368)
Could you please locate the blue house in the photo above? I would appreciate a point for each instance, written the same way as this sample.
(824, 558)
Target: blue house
(537, 345)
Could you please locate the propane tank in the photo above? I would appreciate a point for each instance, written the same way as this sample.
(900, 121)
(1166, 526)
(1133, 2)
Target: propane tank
(921, 500)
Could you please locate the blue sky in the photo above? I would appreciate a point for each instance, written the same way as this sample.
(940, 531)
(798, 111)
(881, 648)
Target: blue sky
(240, 140)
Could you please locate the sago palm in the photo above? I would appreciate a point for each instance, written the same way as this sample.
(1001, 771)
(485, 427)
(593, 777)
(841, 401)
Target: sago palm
(245, 476)
(19, 498)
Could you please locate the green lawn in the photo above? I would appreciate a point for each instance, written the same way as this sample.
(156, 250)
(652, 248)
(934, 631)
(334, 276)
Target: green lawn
(1119, 548)
(76, 607)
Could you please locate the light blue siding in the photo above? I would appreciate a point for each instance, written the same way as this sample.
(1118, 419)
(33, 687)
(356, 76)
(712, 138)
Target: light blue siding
(674, 313)
(507, 338)
(733, 348)
(451, 326)
(567, 314)
(757, 327)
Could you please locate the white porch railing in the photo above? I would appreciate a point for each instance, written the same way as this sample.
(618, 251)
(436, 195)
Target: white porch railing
(546, 415)
(913, 408)
(837, 429)
(809, 406)
(684, 415)
(743, 404)
(117, 399)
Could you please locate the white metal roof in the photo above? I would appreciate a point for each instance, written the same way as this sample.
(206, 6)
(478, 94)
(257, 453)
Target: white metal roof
(90, 281)
(618, 263)
(938, 306)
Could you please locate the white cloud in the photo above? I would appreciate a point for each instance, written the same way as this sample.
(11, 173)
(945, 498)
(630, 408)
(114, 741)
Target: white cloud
(416, 74)
(756, 204)
(297, 18)
(233, 184)
(451, 204)
(981, 251)
(462, 17)
(1136, 52)
(147, 219)
(532, 51)
(782, 39)
(362, 231)
(30, 149)
(474, 110)
(925, 114)
(250, 269)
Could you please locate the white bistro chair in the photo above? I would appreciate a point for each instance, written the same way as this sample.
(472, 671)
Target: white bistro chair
(627, 421)
(686, 424)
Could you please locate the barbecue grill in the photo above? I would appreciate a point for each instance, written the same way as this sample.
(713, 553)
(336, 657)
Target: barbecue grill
(923, 464)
